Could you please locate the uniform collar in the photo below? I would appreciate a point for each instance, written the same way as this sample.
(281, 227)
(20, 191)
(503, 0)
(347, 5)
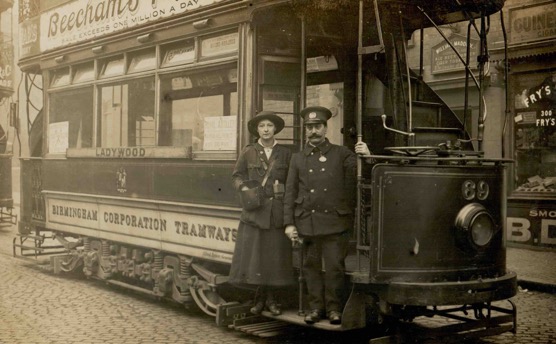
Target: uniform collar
(324, 147)
(262, 147)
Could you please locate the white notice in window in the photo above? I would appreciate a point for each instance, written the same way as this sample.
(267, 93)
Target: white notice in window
(220, 133)
(58, 137)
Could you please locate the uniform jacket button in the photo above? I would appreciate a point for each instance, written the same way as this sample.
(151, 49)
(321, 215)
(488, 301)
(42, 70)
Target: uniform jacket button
(312, 190)
(312, 211)
(311, 170)
(323, 169)
(325, 190)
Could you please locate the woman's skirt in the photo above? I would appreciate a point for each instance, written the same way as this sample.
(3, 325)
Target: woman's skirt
(261, 257)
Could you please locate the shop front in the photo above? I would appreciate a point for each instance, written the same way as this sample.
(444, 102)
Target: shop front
(532, 98)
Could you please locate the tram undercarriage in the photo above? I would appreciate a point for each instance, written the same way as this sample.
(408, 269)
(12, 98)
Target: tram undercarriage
(153, 272)
(370, 306)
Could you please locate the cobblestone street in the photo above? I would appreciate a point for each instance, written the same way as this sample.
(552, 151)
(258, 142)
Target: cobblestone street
(39, 307)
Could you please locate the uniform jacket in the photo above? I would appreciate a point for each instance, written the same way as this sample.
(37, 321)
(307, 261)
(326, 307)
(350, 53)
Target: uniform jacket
(251, 165)
(320, 195)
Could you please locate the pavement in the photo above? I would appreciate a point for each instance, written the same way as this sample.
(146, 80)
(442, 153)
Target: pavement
(536, 269)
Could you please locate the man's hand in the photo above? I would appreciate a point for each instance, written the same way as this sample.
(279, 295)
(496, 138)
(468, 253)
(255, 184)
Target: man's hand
(291, 232)
(362, 149)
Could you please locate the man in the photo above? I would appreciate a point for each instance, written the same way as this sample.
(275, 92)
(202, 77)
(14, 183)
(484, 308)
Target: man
(318, 204)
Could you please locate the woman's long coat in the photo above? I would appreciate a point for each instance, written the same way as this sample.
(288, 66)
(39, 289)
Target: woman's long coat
(262, 254)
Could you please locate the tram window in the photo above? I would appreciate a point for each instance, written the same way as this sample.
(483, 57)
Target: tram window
(84, 72)
(178, 53)
(70, 120)
(281, 99)
(112, 67)
(141, 61)
(330, 96)
(59, 77)
(127, 114)
(200, 110)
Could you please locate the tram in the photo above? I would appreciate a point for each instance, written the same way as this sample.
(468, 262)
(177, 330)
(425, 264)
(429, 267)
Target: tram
(145, 111)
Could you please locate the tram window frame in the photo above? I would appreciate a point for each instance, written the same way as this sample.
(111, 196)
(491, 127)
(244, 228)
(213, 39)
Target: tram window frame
(78, 136)
(133, 65)
(166, 49)
(269, 80)
(130, 131)
(104, 65)
(194, 90)
(60, 77)
(200, 48)
(83, 72)
(124, 75)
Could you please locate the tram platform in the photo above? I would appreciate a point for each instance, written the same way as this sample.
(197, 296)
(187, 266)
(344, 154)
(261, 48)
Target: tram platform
(535, 268)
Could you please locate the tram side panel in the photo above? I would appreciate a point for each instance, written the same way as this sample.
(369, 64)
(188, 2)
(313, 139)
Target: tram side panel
(175, 206)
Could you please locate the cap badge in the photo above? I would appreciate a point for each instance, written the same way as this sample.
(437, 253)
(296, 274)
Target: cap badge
(313, 115)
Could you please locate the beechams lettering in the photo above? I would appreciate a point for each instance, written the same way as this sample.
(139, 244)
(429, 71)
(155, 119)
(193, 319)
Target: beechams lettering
(91, 13)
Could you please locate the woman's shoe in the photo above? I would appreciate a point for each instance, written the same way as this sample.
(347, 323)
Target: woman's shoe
(257, 308)
(273, 308)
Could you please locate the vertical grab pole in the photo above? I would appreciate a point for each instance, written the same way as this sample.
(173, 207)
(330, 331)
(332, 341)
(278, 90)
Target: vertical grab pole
(302, 103)
(359, 125)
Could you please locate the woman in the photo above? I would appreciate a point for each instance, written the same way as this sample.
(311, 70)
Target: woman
(263, 256)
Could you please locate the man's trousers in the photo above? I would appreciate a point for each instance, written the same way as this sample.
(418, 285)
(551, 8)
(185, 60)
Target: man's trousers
(325, 288)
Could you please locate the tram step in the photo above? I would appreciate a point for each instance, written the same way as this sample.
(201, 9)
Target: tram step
(293, 317)
(266, 329)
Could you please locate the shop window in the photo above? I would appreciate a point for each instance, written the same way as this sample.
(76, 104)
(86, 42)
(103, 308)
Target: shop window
(59, 77)
(70, 122)
(127, 114)
(178, 53)
(535, 132)
(141, 61)
(199, 110)
(84, 72)
(112, 67)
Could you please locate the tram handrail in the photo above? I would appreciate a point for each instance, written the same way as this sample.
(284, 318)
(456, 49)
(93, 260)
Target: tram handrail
(435, 158)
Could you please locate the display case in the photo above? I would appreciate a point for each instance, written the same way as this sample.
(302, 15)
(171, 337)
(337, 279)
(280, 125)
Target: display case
(534, 97)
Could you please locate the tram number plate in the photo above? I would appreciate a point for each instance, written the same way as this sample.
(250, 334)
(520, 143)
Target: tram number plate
(471, 190)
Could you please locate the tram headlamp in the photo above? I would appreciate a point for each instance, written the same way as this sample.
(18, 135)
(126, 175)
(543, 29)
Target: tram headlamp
(475, 225)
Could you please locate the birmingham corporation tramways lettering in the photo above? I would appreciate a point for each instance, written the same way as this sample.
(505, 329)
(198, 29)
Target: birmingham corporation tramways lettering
(199, 230)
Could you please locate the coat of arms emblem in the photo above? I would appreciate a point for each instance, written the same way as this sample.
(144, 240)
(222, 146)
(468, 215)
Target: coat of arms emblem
(121, 180)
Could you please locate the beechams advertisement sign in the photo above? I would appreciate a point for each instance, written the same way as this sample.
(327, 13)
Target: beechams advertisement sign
(83, 20)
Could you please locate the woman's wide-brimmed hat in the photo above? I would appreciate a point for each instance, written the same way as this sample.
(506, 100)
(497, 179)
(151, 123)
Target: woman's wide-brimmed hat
(271, 116)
